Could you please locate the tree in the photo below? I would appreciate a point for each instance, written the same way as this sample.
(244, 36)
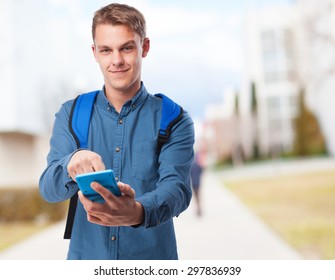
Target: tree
(237, 150)
(254, 105)
(236, 105)
(254, 112)
(308, 137)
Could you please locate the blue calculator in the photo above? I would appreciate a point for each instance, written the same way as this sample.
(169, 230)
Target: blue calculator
(105, 178)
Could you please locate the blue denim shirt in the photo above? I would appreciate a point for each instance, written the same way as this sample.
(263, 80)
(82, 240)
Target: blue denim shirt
(127, 142)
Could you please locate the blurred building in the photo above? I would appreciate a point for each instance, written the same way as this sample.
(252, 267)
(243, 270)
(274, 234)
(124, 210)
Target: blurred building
(271, 52)
(290, 49)
(234, 131)
(218, 134)
(223, 130)
(23, 158)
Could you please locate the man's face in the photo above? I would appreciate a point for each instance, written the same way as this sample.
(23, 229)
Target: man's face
(119, 51)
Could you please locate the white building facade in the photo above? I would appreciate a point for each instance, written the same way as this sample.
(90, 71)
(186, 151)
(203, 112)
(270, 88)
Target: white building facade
(283, 59)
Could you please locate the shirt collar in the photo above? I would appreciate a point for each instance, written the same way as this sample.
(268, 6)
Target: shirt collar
(132, 103)
(138, 98)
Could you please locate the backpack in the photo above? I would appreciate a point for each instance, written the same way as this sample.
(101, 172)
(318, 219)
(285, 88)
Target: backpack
(79, 123)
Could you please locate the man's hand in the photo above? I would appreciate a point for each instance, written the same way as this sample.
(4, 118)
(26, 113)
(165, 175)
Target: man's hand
(116, 210)
(84, 161)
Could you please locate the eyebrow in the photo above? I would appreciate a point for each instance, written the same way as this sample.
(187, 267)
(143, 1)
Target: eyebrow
(130, 42)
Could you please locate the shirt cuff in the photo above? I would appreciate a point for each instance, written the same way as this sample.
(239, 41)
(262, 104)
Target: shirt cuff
(154, 213)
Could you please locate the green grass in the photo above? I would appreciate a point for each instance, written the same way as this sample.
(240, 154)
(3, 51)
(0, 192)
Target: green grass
(301, 208)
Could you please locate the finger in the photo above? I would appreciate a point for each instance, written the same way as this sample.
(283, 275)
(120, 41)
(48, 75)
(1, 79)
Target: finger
(92, 165)
(94, 219)
(126, 189)
(106, 194)
(84, 161)
(99, 220)
(83, 199)
(91, 208)
(74, 171)
(98, 166)
(87, 168)
(97, 163)
(89, 205)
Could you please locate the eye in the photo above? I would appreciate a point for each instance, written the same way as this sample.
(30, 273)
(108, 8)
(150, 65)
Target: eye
(105, 51)
(128, 48)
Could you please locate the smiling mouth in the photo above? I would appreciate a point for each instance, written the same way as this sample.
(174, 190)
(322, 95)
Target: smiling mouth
(119, 71)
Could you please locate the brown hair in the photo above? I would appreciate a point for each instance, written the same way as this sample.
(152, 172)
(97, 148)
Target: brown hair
(120, 14)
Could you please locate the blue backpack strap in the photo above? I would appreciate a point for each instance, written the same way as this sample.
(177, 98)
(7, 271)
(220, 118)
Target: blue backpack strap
(80, 117)
(79, 123)
(171, 114)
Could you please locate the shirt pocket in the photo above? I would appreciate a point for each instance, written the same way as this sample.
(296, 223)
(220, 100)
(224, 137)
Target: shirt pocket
(145, 160)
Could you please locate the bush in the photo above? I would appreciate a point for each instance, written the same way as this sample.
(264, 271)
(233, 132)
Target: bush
(26, 204)
(309, 140)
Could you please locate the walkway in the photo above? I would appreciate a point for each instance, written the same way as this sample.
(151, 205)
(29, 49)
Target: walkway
(227, 230)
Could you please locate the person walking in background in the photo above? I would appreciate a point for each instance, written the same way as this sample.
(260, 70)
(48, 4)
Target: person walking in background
(123, 136)
(196, 174)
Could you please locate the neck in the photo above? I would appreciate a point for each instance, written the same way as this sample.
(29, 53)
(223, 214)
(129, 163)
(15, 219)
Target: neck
(118, 97)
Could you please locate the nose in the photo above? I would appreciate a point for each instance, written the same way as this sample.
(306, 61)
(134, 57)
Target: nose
(117, 59)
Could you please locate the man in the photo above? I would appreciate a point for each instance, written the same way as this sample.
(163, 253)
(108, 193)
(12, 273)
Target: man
(196, 173)
(122, 136)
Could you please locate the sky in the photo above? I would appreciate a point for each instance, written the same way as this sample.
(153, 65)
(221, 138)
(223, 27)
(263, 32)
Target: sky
(196, 49)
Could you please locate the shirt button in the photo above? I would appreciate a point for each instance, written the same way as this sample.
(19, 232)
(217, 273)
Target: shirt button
(117, 179)
(113, 238)
(117, 149)
(120, 121)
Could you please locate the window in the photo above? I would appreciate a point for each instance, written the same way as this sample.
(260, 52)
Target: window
(277, 55)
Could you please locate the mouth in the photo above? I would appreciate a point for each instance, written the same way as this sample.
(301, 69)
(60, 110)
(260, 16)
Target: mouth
(119, 71)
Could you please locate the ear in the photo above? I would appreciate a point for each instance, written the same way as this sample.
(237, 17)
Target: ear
(94, 52)
(145, 47)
